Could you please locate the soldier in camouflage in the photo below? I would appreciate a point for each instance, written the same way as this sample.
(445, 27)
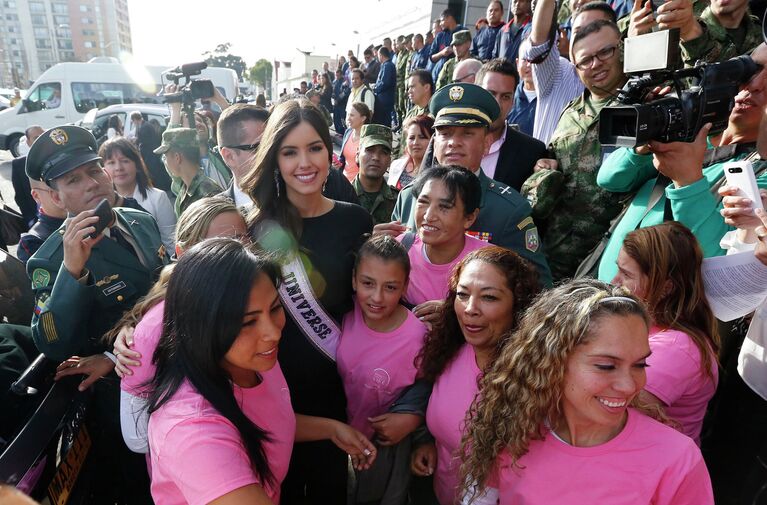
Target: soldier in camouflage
(403, 61)
(724, 29)
(461, 45)
(564, 192)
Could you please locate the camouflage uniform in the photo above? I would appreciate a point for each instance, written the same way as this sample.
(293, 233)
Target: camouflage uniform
(446, 74)
(577, 211)
(716, 44)
(403, 60)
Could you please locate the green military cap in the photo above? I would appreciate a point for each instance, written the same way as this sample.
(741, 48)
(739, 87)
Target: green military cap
(461, 37)
(463, 104)
(60, 150)
(375, 134)
(400, 39)
(179, 138)
(409, 37)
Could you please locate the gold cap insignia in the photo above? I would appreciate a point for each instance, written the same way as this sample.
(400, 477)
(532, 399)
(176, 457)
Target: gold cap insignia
(455, 93)
(59, 137)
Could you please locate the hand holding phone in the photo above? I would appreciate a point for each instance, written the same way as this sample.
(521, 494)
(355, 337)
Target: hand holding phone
(740, 174)
(104, 212)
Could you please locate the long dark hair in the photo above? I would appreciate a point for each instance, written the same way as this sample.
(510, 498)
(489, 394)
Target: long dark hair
(199, 327)
(262, 180)
(130, 151)
(445, 338)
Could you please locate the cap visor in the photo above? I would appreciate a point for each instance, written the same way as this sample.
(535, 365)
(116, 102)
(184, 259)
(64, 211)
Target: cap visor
(162, 149)
(371, 143)
(69, 164)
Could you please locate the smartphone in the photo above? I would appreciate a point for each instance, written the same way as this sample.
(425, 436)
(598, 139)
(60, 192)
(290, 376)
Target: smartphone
(656, 4)
(104, 212)
(741, 175)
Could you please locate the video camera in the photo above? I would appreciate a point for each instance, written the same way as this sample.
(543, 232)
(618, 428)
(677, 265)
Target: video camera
(680, 115)
(192, 89)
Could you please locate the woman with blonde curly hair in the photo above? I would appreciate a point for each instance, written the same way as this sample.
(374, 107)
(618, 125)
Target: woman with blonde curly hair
(488, 291)
(559, 419)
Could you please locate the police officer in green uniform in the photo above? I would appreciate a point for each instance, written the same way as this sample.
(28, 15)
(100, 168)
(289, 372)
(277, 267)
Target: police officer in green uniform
(374, 158)
(82, 286)
(463, 113)
(180, 152)
(461, 43)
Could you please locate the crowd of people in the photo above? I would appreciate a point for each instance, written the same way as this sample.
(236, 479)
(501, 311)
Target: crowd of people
(474, 302)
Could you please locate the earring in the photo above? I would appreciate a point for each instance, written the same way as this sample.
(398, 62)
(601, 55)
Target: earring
(324, 184)
(277, 181)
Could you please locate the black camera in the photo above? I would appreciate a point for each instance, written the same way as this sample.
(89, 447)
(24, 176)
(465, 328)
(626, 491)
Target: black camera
(702, 94)
(192, 89)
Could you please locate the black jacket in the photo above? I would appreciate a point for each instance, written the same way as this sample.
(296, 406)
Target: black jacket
(23, 191)
(517, 158)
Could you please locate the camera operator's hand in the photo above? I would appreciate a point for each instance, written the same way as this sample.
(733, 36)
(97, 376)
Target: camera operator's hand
(545, 164)
(219, 99)
(679, 14)
(642, 19)
(739, 212)
(175, 107)
(682, 162)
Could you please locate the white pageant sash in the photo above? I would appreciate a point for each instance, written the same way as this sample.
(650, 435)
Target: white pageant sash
(310, 316)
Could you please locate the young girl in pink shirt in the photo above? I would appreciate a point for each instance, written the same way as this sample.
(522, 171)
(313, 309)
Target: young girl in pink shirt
(662, 266)
(560, 420)
(380, 339)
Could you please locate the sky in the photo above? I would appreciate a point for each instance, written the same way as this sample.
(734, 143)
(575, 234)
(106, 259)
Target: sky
(270, 29)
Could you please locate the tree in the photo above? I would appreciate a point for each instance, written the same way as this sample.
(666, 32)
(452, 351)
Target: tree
(220, 57)
(261, 73)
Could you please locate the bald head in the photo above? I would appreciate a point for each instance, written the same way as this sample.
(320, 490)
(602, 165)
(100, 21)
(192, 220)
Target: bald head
(466, 71)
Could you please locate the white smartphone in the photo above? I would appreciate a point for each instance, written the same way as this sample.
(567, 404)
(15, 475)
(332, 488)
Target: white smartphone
(741, 175)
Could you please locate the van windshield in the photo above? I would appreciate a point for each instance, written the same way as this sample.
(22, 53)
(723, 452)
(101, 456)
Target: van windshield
(96, 95)
(44, 96)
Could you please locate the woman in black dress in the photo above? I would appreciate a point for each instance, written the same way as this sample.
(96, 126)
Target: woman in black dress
(317, 238)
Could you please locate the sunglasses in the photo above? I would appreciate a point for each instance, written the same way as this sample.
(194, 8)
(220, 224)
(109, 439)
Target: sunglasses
(245, 147)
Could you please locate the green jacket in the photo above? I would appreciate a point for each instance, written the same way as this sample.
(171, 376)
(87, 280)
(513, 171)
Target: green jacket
(694, 205)
(71, 316)
(577, 211)
(381, 204)
(446, 74)
(200, 187)
(716, 44)
(504, 220)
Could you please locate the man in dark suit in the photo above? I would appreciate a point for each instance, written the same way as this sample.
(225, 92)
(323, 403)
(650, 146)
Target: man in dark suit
(385, 88)
(21, 188)
(512, 155)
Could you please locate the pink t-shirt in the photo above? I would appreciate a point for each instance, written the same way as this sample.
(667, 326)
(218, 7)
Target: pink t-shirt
(675, 377)
(451, 397)
(146, 336)
(427, 280)
(197, 454)
(647, 463)
(376, 367)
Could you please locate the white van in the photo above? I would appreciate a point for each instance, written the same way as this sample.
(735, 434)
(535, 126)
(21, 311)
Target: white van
(67, 91)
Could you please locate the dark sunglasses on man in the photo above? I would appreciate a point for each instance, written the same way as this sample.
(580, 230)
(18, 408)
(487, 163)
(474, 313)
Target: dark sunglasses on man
(245, 147)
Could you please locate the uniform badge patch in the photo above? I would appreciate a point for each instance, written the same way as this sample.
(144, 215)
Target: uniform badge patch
(40, 278)
(42, 301)
(114, 288)
(107, 280)
(455, 93)
(532, 242)
(59, 137)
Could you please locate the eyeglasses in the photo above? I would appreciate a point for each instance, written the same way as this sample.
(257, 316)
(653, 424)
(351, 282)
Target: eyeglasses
(603, 55)
(245, 147)
(465, 77)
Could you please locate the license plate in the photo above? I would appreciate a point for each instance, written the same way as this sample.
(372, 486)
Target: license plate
(66, 474)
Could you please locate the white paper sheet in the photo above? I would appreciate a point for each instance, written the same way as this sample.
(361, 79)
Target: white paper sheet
(735, 285)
